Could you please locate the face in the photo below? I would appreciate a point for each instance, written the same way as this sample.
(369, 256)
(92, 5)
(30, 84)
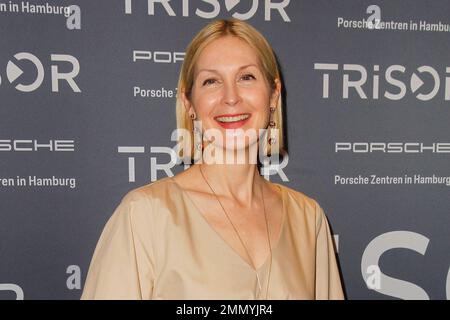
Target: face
(230, 91)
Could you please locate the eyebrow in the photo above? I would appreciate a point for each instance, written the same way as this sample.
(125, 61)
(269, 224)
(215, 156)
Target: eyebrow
(240, 68)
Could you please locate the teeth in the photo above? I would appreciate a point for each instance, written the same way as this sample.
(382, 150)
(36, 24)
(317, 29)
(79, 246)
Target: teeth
(233, 119)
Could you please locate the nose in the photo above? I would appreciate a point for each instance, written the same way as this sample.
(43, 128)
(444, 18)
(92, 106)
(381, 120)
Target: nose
(231, 93)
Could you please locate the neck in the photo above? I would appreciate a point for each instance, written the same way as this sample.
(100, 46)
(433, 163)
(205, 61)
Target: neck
(238, 181)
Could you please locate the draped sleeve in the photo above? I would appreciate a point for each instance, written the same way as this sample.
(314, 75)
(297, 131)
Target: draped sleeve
(328, 283)
(122, 266)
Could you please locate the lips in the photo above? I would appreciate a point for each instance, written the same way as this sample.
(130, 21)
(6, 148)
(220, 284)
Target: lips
(232, 121)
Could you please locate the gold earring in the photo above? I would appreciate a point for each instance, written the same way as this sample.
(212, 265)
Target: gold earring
(272, 139)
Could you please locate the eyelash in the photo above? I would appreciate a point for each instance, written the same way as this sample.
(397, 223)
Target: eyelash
(249, 74)
(206, 81)
(245, 75)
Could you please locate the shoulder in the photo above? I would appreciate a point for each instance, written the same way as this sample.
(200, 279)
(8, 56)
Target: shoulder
(300, 199)
(149, 191)
(303, 204)
(141, 202)
(139, 212)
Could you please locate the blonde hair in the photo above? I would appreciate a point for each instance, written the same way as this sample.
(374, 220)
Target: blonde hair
(215, 30)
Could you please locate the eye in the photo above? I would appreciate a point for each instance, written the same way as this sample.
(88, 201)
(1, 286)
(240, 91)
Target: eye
(248, 76)
(209, 81)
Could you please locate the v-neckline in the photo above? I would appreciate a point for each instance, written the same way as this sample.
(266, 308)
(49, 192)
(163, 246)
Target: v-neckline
(220, 237)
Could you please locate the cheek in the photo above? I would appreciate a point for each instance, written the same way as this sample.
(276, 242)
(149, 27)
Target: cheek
(205, 103)
(258, 99)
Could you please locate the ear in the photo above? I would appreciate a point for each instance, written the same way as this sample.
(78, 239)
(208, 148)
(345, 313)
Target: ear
(275, 93)
(185, 100)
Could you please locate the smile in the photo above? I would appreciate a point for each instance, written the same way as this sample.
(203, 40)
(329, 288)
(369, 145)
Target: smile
(232, 121)
(232, 118)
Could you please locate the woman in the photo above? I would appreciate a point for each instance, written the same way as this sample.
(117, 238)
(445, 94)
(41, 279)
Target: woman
(219, 230)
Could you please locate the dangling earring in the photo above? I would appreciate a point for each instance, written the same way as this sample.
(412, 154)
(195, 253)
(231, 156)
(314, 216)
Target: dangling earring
(197, 133)
(272, 140)
(272, 125)
(199, 144)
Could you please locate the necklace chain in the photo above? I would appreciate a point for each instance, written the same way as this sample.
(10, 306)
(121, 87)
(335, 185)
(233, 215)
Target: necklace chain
(240, 239)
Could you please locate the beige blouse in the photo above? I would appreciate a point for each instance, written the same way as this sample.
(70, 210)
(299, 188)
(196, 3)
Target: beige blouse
(158, 245)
